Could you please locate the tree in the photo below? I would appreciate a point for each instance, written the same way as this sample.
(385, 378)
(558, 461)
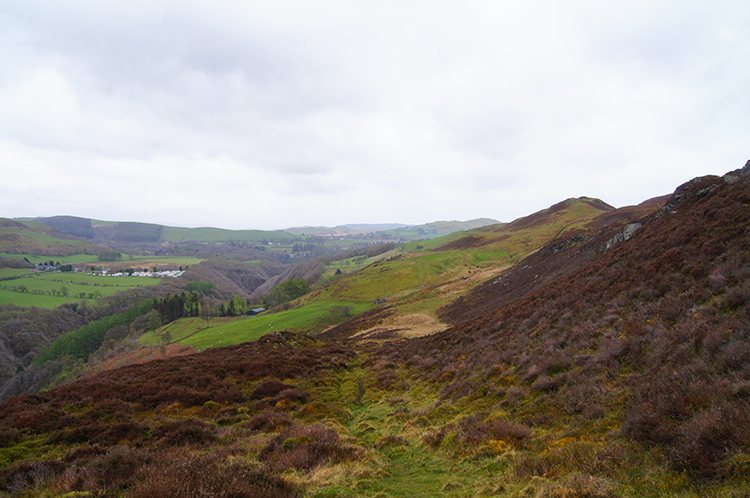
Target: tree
(154, 321)
(109, 255)
(239, 305)
(286, 291)
(64, 291)
(205, 311)
(200, 286)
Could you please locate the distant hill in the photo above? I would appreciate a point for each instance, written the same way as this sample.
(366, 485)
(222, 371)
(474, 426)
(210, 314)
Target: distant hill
(212, 235)
(343, 230)
(41, 239)
(133, 233)
(394, 231)
(71, 225)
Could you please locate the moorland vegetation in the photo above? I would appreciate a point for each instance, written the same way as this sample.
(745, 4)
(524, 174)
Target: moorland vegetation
(583, 351)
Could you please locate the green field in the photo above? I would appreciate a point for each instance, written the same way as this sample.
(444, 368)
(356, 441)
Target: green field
(64, 260)
(39, 288)
(13, 272)
(227, 331)
(126, 261)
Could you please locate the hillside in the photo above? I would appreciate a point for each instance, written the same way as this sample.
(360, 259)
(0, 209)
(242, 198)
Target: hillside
(609, 361)
(40, 239)
(647, 340)
(412, 285)
(524, 234)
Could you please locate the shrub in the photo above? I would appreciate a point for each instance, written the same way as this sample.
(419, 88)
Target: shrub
(189, 477)
(184, 432)
(387, 379)
(457, 390)
(304, 447)
(583, 486)
(268, 421)
(25, 476)
(116, 468)
(512, 432)
(268, 387)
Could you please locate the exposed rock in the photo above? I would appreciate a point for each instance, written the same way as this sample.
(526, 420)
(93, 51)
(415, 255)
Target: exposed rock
(626, 234)
(704, 192)
(574, 240)
(630, 229)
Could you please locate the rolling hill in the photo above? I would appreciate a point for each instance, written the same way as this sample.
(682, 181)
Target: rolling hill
(394, 231)
(41, 239)
(114, 232)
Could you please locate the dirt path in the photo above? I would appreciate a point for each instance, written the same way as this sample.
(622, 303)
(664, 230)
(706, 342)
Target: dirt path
(415, 325)
(471, 277)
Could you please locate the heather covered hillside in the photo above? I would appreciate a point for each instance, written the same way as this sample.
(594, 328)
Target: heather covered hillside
(611, 360)
(648, 334)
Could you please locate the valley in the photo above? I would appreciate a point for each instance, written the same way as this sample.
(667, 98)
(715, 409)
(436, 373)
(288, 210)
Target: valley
(581, 351)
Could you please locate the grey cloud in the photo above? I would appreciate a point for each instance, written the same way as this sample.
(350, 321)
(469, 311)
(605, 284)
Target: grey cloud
(496, 135)
(374, 112)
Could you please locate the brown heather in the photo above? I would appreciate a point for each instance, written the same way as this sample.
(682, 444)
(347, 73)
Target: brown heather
(660, 322)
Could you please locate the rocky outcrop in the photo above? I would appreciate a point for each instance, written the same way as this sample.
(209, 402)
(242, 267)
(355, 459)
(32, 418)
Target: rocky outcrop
(626, 234)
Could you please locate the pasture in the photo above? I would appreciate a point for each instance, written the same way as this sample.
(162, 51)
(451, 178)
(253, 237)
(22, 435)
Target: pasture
(63, 260)
(49, 290)
(192, 332)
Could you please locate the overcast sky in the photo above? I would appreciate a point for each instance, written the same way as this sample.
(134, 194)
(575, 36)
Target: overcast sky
(261, 114)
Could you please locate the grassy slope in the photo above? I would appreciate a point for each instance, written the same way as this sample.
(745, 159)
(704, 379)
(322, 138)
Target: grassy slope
(193, 332)
(412, 283)
(435, 229)
(37, 238)
(523, 235)
(72, 259)
(417, 277)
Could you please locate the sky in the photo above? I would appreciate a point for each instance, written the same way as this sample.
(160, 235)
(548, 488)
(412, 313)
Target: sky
(269, 115)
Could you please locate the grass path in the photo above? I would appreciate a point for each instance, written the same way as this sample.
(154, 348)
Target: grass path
(412, 469)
